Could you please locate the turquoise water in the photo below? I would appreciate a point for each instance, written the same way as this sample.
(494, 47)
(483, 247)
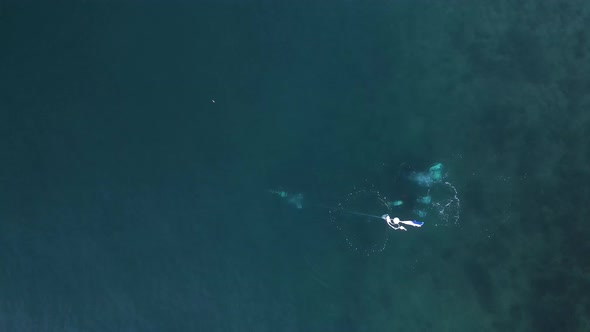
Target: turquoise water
(139, 142)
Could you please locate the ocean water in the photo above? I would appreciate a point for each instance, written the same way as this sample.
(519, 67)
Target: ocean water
(139, 141)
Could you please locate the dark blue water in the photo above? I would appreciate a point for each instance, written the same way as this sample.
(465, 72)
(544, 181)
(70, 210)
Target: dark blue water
(139, 140)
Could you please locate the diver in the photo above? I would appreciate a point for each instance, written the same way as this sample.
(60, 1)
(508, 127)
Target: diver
(395, 223)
